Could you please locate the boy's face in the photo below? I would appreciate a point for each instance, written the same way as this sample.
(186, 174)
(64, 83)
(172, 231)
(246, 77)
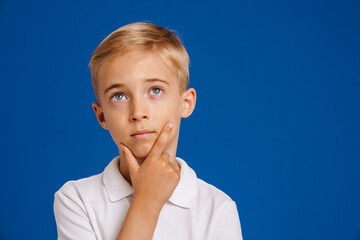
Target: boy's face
(139, 94)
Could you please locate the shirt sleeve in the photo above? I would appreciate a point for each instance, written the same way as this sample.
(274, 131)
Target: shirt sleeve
(228, 224)
(72, 221)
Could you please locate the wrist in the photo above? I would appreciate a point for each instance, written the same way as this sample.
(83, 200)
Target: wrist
(147, 206)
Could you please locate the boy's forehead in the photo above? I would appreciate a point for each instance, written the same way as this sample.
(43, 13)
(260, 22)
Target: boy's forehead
(136, 67)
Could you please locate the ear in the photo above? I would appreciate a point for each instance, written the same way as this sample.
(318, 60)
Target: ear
(188, 104)
(100, 115)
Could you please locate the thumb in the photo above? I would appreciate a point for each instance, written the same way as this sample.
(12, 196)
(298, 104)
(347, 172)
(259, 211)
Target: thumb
(131, 162)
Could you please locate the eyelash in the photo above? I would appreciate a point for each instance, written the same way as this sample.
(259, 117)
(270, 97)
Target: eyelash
(120, 93)
(161, 90)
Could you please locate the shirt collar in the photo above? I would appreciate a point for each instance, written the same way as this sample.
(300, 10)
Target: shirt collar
(115, 184)
(185, 192)
(118, 188)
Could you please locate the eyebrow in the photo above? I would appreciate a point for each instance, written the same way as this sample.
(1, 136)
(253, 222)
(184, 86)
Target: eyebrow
(156, 80)
(119, 85)
(116, 85)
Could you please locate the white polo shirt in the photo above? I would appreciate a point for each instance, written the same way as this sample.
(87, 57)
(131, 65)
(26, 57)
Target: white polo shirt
(95, 208)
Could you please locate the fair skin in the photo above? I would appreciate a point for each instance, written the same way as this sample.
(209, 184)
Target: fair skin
(141, 105)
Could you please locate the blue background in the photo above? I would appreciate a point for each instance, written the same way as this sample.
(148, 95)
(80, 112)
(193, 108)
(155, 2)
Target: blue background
(276, 124)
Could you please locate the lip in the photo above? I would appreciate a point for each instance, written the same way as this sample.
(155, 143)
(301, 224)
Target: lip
(143, 134)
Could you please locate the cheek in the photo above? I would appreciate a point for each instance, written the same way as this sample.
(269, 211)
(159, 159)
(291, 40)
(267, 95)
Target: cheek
(174, 115)
(115, 114)
(157, 99)
(118, 105)
(171, 110)
(115, 121)
(161, 106)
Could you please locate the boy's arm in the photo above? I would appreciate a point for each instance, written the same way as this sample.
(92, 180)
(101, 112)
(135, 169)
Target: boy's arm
(153, 182)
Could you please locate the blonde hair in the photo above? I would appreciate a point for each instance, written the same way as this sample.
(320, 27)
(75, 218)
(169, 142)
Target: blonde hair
(142, 37)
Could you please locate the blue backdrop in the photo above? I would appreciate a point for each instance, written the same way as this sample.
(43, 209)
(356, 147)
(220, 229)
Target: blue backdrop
(276, 124)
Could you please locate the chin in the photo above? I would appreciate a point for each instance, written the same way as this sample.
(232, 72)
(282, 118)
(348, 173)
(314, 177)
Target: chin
(141, 155)
(140, 151)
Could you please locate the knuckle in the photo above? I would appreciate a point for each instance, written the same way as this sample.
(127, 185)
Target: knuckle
(165, 155)
(161, 162)
(175, 175)
(172, 170)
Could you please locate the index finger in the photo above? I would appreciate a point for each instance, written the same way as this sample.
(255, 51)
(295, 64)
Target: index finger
(161, 141)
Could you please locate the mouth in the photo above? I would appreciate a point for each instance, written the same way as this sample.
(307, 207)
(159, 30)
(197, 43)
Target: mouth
(143, 134)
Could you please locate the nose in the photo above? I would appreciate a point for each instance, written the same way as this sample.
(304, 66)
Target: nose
(138, 110)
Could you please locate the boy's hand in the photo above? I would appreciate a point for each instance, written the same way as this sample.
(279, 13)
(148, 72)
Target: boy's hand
(156, 179)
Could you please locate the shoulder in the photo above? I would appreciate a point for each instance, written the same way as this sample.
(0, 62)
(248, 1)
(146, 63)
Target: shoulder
(212, 191)
(211, 195)
(73, 203)
(205, 195)
(221, 210)
(81, 188)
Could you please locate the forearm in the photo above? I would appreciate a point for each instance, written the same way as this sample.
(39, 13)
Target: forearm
(140, 221)
(153, 182)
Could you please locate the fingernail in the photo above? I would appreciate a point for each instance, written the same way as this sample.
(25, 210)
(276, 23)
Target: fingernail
(170, 125)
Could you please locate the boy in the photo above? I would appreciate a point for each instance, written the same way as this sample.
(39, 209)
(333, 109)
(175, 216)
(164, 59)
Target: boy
(140, 77)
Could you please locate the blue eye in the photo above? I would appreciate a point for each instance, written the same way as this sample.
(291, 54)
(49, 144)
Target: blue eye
(156, 91)
(118, 97)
